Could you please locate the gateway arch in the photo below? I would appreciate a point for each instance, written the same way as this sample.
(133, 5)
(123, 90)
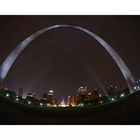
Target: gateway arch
(8, 62)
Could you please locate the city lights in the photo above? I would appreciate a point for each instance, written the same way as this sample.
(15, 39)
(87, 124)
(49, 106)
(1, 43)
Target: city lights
(112, 99)
(62, 104)
(73, 105)
(48, 105)
(41, 104)
(135, 88)
(51, 91)
(81, 105)
(82, 98)
(7, 95)
(122, 95)
(29, 102)
(101, 102)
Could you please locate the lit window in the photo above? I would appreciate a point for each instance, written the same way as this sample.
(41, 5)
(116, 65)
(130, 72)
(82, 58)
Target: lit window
(51, 91)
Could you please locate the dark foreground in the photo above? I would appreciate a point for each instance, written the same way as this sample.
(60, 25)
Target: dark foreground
(125, 112)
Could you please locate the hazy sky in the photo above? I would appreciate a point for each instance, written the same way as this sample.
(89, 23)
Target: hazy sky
(64, 59)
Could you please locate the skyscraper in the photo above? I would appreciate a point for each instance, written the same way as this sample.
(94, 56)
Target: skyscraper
(20, 92)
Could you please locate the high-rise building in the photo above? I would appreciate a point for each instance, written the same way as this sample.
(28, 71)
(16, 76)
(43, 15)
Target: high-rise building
(20, 92)
(85, 96)
(82, 90)
(49, 98)
(44, 97)
(68, 100)
(2, 87)
(31, 96)
(113, 90)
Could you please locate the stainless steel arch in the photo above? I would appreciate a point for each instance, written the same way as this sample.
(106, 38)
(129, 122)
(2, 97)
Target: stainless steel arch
(6, 65)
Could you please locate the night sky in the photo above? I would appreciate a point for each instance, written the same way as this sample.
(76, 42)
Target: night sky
(64, 59)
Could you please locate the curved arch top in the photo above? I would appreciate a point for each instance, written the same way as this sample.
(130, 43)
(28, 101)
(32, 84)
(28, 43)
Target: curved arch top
(6, 65)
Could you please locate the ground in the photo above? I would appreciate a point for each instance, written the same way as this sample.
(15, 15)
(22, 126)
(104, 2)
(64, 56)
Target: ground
(127, 112)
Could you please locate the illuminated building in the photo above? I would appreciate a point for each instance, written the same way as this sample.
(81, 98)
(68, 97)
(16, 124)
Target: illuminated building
(82, 90)
(62, 103)
(68, 101)
(30, 99)
(49, 98)
(2, 87)
(85, 96)
(113, 90)
(44, 97)
(31, 95)
(20, 92)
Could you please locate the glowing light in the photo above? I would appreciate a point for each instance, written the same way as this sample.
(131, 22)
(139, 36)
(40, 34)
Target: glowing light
(7, 95)
(135, 88)
(81, 105)
(62, 104)
(41, 104)
(100, 95)
(54, 105)
(112, 99)
(101, 102)
(17, 99)
(122, 95)
(51, 91)
(73, 105)
(29, 102)
(48, 105)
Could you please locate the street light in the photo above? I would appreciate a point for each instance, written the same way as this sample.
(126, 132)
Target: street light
(135, 88)
(122, 95)
(48, 105)
(29, 102)
(81, 105)
(41, 104)
(112, 99)
(7, 95)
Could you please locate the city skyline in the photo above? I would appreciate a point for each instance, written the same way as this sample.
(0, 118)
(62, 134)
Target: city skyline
(69, 60)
